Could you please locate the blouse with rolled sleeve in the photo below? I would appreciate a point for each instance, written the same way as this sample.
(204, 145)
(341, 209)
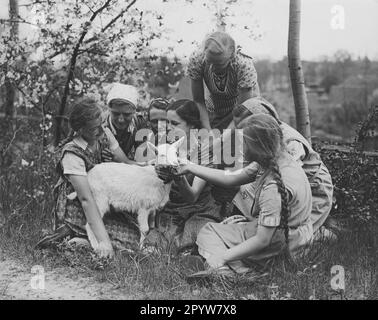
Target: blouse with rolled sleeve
(73, 164)
(241, 65)
(246, 72)
(241, 74)
(269, 203)
(196, 65)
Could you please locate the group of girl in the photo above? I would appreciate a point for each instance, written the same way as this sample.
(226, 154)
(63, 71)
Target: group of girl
(285, 190)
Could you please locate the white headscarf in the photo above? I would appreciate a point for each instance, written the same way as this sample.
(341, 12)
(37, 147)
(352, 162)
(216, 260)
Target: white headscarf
(124, 92)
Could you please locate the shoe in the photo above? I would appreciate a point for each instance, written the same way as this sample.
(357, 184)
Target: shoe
(79, 242)
(194, 263)
(324, 234)
(60, 233)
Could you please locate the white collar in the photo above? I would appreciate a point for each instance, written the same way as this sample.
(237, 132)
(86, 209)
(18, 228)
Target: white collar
(80, 142)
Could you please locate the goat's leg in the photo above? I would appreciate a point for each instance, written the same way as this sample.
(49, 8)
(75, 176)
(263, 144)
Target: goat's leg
(143, 216)
(151, 219)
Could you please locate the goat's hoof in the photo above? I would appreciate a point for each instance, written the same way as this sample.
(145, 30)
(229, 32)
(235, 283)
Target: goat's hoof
(79, 242)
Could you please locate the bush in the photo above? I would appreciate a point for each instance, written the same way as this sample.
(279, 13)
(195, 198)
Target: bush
(355, 177)
(26, 181)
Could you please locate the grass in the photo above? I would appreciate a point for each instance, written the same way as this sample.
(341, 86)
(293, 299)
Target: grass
(25, 208)
(162, 276)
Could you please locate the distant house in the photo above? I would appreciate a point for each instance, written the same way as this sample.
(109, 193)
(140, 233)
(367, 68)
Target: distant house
(315, 88)
(354, 89)
(346, 93)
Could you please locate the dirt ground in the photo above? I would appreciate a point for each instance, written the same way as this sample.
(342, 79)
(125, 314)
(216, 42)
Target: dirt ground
(60, 284)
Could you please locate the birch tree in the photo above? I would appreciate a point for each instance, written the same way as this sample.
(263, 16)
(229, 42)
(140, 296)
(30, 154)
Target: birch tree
(296, 71)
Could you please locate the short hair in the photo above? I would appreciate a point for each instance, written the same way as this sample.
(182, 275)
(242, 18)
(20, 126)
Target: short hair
(84, 110)
(157, 103)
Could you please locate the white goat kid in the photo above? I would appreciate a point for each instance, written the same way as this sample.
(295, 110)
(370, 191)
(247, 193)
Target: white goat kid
(132, 188)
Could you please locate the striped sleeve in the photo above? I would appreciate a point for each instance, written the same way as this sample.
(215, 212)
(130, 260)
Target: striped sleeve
(246, 73)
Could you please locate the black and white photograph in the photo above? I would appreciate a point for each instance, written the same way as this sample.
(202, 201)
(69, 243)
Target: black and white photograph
(188, 155)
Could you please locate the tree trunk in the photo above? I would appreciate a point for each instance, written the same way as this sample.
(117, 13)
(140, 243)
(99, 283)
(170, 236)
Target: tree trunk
(72, 66)
(296, 71)
(9, 88)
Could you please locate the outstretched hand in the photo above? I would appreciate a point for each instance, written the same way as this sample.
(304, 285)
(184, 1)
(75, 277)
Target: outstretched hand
(183, 167)
(164, 172)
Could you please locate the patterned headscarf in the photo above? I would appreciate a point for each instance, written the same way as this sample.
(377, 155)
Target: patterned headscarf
(257, 105)
(260, 105)
(219, 45)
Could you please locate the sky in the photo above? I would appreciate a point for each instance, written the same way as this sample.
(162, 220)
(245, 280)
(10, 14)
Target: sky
(327, 26)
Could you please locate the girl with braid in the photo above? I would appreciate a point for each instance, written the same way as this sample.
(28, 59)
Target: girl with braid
(301, 150)
(280, 216)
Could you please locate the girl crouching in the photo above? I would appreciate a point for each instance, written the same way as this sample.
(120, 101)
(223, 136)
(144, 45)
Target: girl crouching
(76, 155)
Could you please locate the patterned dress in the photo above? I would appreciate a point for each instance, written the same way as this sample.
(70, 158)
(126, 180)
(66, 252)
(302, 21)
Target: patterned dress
(68, 211)
(223, 93)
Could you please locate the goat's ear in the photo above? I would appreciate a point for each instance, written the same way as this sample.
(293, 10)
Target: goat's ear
(152, 146)
(178, 143)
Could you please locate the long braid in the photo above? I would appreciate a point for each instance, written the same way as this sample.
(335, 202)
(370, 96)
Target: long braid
(284, 201)
(263, 141)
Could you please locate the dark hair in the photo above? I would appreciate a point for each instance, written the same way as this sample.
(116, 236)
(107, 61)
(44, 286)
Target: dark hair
(188, 111)
(157, 103)
(84, 110)
(263, 135)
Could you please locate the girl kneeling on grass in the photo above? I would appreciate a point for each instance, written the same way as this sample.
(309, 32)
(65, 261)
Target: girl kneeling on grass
(301, 150)
(79, 153)
(280, 215)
